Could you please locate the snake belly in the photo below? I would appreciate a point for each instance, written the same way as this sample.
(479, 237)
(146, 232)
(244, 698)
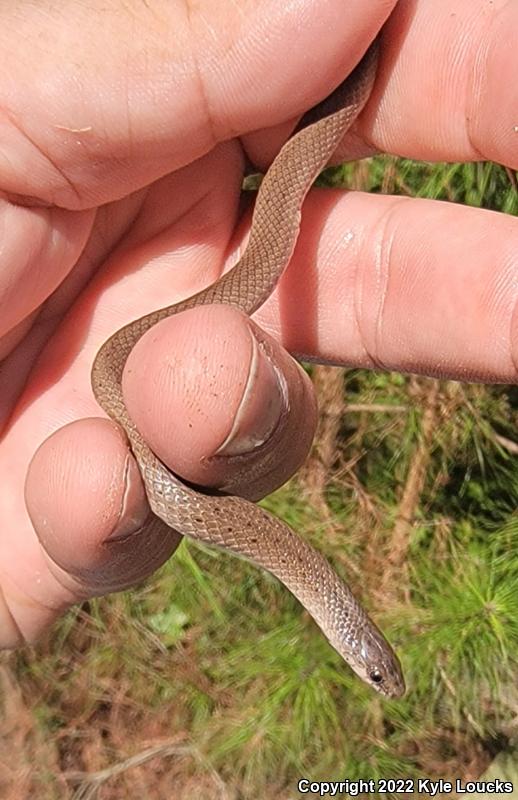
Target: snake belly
(230, 522)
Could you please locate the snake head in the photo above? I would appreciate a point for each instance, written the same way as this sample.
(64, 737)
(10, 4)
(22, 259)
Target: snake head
(377, 664)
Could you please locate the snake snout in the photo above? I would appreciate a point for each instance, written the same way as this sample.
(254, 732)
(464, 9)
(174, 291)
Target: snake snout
(380, 667)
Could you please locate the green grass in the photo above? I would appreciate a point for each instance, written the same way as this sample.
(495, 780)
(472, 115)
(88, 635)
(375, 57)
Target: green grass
(213, 653)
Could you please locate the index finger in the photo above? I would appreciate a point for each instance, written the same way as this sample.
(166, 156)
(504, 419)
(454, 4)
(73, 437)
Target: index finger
(446, 90)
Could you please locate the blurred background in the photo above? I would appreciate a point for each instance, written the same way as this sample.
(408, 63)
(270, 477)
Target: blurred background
(210, 681)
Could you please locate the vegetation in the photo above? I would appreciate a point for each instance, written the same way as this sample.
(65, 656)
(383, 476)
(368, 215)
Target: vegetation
(209, 681)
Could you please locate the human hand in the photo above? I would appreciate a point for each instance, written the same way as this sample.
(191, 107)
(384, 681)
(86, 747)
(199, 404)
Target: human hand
(129, 183)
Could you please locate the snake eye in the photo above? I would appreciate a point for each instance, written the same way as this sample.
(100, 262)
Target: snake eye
(376, 676)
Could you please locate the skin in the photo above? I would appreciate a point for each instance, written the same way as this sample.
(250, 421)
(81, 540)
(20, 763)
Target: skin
(382, 282)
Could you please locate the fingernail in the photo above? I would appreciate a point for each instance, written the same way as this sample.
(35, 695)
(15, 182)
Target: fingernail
(134, 509)
(264, 401)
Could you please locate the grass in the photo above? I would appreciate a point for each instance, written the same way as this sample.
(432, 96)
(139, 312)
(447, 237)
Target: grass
(210, 681)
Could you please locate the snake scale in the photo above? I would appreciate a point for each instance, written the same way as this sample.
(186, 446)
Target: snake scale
(230, 522)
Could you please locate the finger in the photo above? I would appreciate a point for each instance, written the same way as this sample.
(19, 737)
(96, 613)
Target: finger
(101, 150)
(88, 506)
(410, 285)
(21, 347)
(193, 76)
(39, 248)
(83, 490)
(220, 402)
(444, 90)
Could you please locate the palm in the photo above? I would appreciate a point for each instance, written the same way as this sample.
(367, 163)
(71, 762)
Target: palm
(150, 249)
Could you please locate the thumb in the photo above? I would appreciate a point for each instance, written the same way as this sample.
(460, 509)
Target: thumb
(221, 402)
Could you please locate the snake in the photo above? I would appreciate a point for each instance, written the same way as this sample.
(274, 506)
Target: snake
(226, 521)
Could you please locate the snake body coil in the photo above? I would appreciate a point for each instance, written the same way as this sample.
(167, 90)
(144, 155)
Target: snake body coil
(230, 522)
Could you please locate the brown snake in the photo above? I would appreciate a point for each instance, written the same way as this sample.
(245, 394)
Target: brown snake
(230, 522)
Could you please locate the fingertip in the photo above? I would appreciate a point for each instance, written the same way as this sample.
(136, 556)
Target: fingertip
(220, 401)
(85, 498)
